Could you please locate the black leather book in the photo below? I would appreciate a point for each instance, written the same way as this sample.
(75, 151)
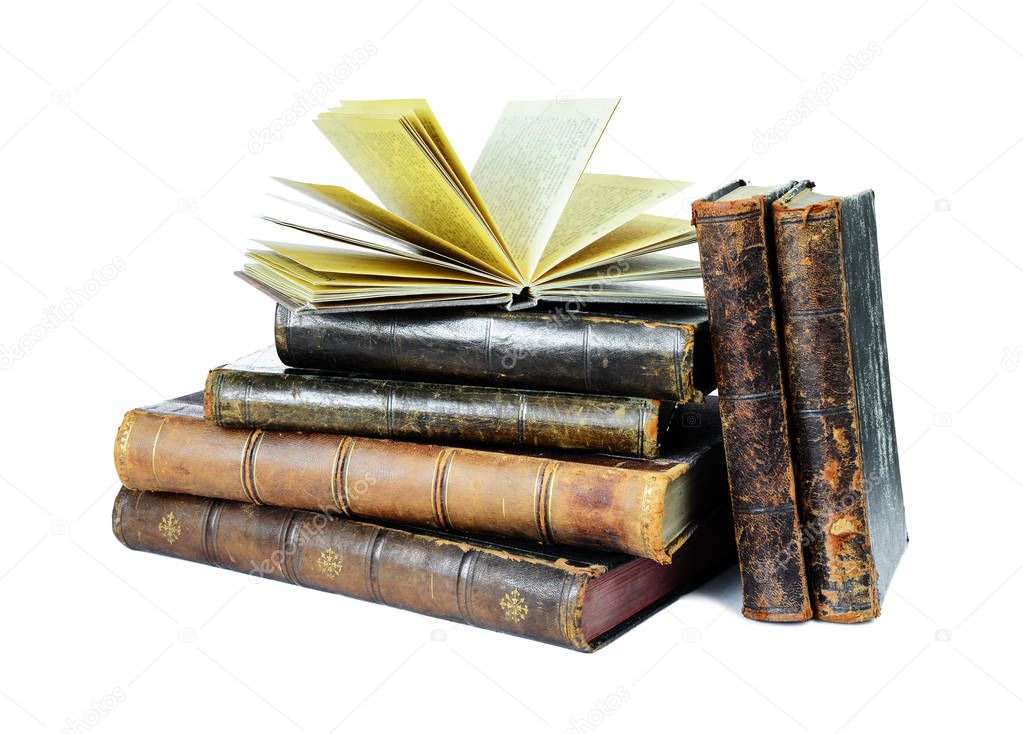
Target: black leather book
(647, 352)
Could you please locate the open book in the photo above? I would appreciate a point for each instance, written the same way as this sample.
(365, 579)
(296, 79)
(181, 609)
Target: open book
(526, 225)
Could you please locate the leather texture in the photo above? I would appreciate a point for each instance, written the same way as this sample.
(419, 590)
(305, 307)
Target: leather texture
(651, 353)
(734, 253)
(823, 395)
(259, 392)
(589, 500)
(512, 590)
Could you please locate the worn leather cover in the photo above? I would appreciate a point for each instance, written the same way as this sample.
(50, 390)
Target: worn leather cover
(258, 391)
(734, 246)
(647, 352)
(588, 500)
(512, 589)
(842, 420)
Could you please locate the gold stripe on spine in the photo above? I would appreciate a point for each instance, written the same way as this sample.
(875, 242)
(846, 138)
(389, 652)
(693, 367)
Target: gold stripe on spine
(440, 488)
(248, 468)
(152, 456)
(339, 476)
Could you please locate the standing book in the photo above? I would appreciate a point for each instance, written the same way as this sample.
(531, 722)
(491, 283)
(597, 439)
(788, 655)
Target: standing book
(854, 522)
(735, 246)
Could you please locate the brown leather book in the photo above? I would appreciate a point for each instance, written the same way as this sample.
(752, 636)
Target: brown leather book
(854, 524)
(556, 595)
(636, 506)
(652, 352)
(258, 391)
(734, 242)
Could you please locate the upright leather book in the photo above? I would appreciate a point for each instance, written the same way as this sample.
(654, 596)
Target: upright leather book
(735, 245)
(636, 506)
(854, 522)
(258, 391)
(642, 352)
(560, 596)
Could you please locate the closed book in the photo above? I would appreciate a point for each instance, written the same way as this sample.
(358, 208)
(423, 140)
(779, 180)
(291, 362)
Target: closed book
(258, 391)
(854, 522)
(555, 595)
(645, 352)
(636, 506)
(734, 240)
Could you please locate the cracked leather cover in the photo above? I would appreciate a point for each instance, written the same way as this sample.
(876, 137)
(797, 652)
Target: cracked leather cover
(588, 500)
(259, 392)
(660, 353)
(511, 589)
(826, 406)
(734, 253)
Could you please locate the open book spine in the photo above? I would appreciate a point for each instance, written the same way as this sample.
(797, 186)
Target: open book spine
(577, 352)
(732, 237)
(432, 412)
(459, 581)
(826, 430)
(451, 489)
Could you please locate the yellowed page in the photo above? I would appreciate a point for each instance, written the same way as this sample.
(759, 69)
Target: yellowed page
(408, 182)
(530, 165)
(600, 203)
(424, 115)
(364, 210)
(636, 235)
(655, 266)
(330, 260)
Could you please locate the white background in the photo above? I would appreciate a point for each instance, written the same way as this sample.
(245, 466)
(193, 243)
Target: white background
(125, 144)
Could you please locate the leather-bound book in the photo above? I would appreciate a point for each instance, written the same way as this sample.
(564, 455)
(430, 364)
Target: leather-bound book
(648, 352)
(258, 391)
(734, 239)
(854, 523)
(579, 600)
(636, 506)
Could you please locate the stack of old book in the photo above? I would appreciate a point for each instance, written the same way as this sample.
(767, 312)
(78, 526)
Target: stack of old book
(488, 399)
(482, 504)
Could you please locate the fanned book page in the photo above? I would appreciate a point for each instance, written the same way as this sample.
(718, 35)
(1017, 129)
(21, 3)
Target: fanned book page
(529, 224)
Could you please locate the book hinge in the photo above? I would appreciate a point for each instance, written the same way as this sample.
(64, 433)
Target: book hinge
(339, 476)
(248, 468)
(373, 565)
(586, 357)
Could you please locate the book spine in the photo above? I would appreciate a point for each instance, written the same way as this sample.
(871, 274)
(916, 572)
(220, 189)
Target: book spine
(452, 489)
(574, 353)
(732, 237)
(432, 412)
(452, 580)
(815, 319)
